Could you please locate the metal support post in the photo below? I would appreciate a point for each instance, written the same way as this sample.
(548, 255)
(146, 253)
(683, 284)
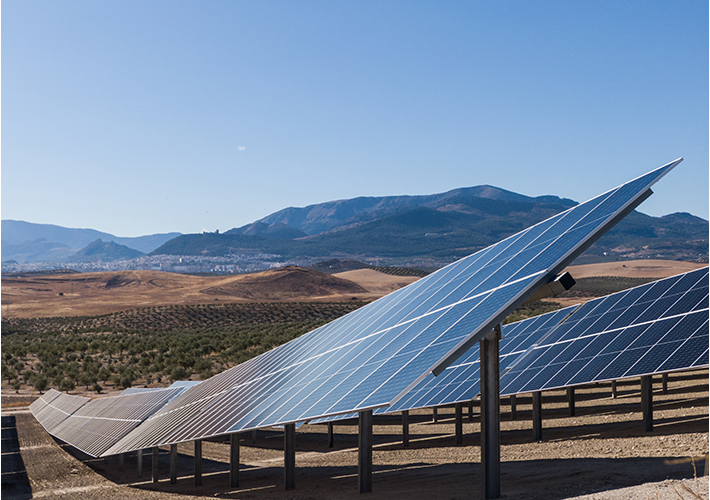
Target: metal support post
(155, 455)
(289, 456)
(121, 459)
(198, 462)
(330, 434)
(664, 380)
(537, 415)
(435, 414)
(470, 411)
(613, 389)
(647, 402)
(173, 463)
(139, 459)
(253, 436)
(459, 423)
(234, 460)
(490, 414)
(364, 455)
(513, 408)
(571, 401)
(405, 429)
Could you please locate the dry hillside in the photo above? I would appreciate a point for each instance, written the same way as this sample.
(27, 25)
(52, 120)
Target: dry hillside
(88, 294)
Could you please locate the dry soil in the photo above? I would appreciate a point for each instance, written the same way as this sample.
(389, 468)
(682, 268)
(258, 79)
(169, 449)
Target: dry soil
(601, 453)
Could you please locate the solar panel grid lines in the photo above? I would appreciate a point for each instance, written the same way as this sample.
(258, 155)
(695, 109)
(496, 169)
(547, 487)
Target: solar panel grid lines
(101, 422)
(460, 382)
(59, 406)
(622, 335)
(314, 375)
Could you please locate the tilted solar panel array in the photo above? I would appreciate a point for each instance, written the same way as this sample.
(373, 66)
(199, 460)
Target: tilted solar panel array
(101, 423)
(654, 328)
(461, 381)
(54, 407)
(371, 356)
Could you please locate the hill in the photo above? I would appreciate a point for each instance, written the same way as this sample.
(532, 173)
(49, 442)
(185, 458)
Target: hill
(28, 242)
(104, 251)
(82, 294)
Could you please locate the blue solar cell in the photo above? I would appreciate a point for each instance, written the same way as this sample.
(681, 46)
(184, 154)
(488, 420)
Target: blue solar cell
(686, 354)
(592, 369)
(622, 339)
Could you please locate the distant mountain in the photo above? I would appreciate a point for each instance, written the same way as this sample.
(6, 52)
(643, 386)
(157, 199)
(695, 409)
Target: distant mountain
(275, 230)
(443, 227)
(104, 251)
(39, 250)
(28, 242)
(316, 219)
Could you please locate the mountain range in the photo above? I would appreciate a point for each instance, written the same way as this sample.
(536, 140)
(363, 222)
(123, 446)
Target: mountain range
(404, 229)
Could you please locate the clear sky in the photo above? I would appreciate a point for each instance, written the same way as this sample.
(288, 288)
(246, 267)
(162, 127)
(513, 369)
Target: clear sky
(139, 117)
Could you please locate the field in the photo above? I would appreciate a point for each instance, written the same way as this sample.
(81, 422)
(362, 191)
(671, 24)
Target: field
(91, 294)
(175, 329)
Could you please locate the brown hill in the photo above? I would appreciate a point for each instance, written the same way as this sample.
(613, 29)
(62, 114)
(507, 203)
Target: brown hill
(285, 283)
(88, 294)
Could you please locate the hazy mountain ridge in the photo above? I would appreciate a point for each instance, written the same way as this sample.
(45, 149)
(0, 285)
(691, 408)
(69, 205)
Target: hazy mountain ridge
(29, 242)
(104, 251)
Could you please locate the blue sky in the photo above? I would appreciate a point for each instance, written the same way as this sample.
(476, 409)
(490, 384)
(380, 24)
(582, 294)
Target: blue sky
(137, 117)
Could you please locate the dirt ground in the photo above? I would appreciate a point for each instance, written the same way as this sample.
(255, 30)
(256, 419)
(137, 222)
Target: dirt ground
(601, 453)
(89, 294)
(635, 269)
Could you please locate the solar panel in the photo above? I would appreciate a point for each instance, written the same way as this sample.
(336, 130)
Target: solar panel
(56, 408)
(461, 381)
(654, 328)
(368, 358)
(178, 383)
(100, 423)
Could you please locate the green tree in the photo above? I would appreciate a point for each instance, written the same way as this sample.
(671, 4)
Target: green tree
(39, 382)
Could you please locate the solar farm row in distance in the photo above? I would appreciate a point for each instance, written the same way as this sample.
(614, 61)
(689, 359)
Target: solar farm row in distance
(368, 358)
(93, 426)
(53, 407)
(654, 328)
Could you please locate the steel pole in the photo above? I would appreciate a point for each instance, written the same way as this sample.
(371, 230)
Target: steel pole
(537, 415)
(139, 459)
(490, 415)
(571, 401)
(234, 460)
(647, 402)
(155, 456)
(459, 423)
(289, 456)
(173, 463)
(364, 456)
(198, 462)
(405, 429)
